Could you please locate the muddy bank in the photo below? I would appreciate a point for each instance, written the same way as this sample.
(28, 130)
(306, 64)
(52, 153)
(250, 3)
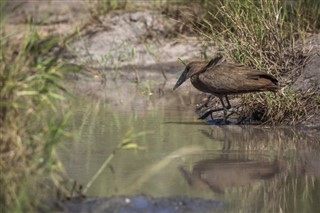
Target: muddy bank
(309, 78)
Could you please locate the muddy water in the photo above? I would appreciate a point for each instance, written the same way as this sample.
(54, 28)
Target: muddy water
(251, 168)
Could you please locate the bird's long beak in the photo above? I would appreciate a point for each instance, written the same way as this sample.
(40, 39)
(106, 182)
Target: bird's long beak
(183, 77)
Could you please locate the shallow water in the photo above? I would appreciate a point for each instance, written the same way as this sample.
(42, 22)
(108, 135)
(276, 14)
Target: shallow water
(250, 168)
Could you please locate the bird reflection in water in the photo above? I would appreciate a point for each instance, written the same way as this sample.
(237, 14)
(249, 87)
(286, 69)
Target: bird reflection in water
(222, 173)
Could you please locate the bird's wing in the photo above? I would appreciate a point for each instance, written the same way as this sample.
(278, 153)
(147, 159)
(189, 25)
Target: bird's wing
(217, 79)
(233, 78)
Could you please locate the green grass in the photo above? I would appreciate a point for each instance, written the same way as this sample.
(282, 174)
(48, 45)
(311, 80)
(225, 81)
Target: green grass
(31, 120)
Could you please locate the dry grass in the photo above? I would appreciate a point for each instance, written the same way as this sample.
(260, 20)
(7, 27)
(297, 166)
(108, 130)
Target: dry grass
(288, 108)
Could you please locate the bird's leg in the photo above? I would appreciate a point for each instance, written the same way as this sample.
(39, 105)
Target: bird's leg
(229, 105)
(225, 108)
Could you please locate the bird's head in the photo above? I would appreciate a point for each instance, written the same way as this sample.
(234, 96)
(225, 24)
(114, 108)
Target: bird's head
(191, 69)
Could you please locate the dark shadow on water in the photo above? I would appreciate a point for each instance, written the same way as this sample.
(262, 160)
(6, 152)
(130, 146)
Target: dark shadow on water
(142, 203)
(218, 122)
(213, 122)
(199, 123)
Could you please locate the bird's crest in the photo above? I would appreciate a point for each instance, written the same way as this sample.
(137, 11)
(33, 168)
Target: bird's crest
(211, 63)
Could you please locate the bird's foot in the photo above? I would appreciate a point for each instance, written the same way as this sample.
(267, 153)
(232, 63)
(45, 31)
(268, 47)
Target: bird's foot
(219, 121)
(215, 121)
(205, 115)
(222, 121)
(209, 112)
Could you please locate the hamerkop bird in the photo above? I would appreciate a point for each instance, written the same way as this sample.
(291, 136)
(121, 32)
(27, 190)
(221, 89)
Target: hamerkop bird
(221, 79)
